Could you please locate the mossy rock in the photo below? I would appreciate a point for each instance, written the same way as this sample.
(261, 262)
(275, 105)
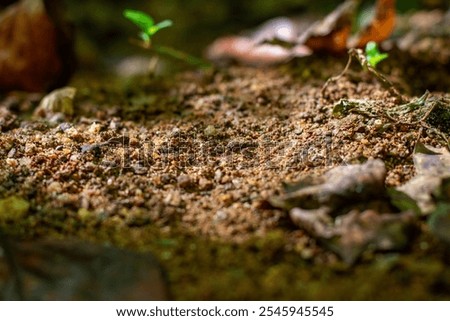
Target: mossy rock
(13, 208)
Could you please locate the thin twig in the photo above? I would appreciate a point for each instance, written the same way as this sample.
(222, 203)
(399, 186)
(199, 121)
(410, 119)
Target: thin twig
(358, 54)
(180, 55)
(173, 53)
(336, 78)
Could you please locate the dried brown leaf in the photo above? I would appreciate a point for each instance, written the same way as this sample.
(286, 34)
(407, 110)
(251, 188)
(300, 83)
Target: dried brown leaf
(250, 52)
(340, 186)
(282, 29)
(432, 168)
(331, 34)
(347, 210)
(351, 234)
(381, 26)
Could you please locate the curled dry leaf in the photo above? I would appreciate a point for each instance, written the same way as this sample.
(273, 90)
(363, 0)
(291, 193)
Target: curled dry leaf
(256, 49)
(350, 234)
(250, 52)
(348, 210)
(282, 29)
(331, 34)
(433, 168)
(35, 50)
(342, 185)
(439, 222)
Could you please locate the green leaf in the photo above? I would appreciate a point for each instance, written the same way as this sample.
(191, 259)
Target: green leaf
(373, 55)
(139, 18)
(374, 60)
(371, 48)
(144, 36)
(145, 23)
(164, 24)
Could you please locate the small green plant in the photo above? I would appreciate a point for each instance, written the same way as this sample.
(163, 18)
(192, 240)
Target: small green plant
(148, 29)
(373, 55)
(368, 60)
(147, 24)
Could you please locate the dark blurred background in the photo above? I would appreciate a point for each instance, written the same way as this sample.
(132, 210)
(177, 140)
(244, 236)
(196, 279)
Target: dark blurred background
(103, 32)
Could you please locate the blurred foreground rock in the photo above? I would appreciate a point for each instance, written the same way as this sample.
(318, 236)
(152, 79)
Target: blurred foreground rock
(72, 270)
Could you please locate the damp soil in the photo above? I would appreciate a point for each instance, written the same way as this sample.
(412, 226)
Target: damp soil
(182, 166)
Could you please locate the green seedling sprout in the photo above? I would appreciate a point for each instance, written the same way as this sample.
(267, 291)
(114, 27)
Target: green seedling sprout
(146, 24)
(373, 55)
(368, 60)
(148, 29)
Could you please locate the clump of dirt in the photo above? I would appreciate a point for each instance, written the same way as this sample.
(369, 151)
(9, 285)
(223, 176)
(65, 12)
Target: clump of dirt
(184, 167)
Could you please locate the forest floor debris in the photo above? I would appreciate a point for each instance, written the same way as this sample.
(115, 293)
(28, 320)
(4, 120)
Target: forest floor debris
(185, 167)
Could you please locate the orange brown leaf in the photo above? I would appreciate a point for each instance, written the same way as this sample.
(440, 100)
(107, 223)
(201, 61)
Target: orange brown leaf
(331, 33)
(380, 28)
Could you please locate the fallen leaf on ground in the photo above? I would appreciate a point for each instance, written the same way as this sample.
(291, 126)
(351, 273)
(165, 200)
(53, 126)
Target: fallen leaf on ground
(381, 26)
(281, 39)
(431, 108)
(331, 34)
(281, 29)
(348, 210)
(439, 220)
(350, 234)
(432, 167)
(340, 186)
(248, 51)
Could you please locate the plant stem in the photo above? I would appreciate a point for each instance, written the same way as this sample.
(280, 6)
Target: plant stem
(179, 55)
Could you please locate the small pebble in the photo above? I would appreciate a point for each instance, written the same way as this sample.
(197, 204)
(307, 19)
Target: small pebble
(54, 187)
(210, 131)
(218, 175)
(220, 216)
(11, 153)
(94, 128)
(205, 184)
(184, 181)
